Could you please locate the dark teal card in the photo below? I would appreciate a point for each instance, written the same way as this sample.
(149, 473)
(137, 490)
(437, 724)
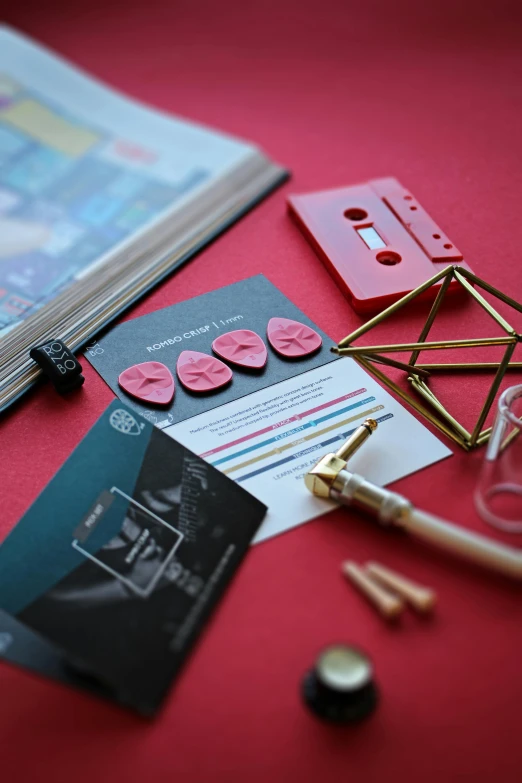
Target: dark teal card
(123, 556)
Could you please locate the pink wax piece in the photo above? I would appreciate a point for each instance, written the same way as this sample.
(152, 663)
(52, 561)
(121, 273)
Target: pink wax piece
(291, 338)
(200, 372)
(242, 347)
(149, 381)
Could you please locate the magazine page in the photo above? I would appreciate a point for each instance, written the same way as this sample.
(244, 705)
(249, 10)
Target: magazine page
(83, 171)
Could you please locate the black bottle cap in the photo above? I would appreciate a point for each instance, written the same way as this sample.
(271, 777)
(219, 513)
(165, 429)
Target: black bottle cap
(340, 688)
(59, 364)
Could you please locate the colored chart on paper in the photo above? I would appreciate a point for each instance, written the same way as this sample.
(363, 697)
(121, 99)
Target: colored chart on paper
(314, 432)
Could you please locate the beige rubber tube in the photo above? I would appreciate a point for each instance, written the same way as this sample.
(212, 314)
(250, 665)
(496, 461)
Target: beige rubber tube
(464, 543)
(392, 508)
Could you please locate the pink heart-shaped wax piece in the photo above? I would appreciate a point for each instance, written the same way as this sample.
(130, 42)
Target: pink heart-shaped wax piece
(242, 347)
(149, 381)
(200, 372)
(291, 338)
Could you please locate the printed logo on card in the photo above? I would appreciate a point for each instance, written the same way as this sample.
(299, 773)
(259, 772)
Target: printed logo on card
(122, 421)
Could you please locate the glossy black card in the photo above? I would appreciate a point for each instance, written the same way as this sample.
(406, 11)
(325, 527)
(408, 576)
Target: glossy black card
(193, 325)
(28, 650)
(120, 561)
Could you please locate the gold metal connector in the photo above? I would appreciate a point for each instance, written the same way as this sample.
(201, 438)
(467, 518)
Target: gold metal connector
(319, 480)
(356, 440)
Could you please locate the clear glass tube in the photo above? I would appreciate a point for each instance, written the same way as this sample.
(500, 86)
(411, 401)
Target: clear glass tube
(498, 496)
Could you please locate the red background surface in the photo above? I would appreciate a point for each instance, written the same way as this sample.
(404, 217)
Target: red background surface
(339, 92)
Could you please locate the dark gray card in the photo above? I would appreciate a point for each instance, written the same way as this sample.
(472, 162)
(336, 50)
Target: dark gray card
(193, 325)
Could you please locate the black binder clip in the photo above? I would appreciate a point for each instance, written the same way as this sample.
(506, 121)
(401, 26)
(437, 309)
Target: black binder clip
(59, 364)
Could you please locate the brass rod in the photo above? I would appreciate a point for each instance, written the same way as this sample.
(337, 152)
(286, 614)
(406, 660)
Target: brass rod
(507, 440)
(441, 344)
(463, 432)
(467, 366)
(485, 304)
(426, 388)
(398, 365)
(490, 289)
(433, 312)
(483, 437)
(393, 308)
(492, 392)
(373, 370)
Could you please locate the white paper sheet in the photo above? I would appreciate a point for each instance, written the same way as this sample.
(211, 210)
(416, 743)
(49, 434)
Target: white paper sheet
(268, 440)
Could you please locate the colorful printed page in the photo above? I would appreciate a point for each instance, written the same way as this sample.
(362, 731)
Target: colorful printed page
(82, 172)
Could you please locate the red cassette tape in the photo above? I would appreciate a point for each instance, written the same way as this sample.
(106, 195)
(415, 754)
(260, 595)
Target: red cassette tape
(376, 240)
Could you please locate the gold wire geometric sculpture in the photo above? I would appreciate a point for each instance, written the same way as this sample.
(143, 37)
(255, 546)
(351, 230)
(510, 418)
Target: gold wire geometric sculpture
(368, 356)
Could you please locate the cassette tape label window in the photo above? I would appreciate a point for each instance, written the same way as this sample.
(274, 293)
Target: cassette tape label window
(371, 238)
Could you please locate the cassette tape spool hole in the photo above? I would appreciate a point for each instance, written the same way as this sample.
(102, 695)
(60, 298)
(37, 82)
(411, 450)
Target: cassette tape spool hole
(388, 258)
(355, 214)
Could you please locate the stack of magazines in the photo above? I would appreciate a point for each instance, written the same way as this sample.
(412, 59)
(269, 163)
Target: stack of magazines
(100, 197)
